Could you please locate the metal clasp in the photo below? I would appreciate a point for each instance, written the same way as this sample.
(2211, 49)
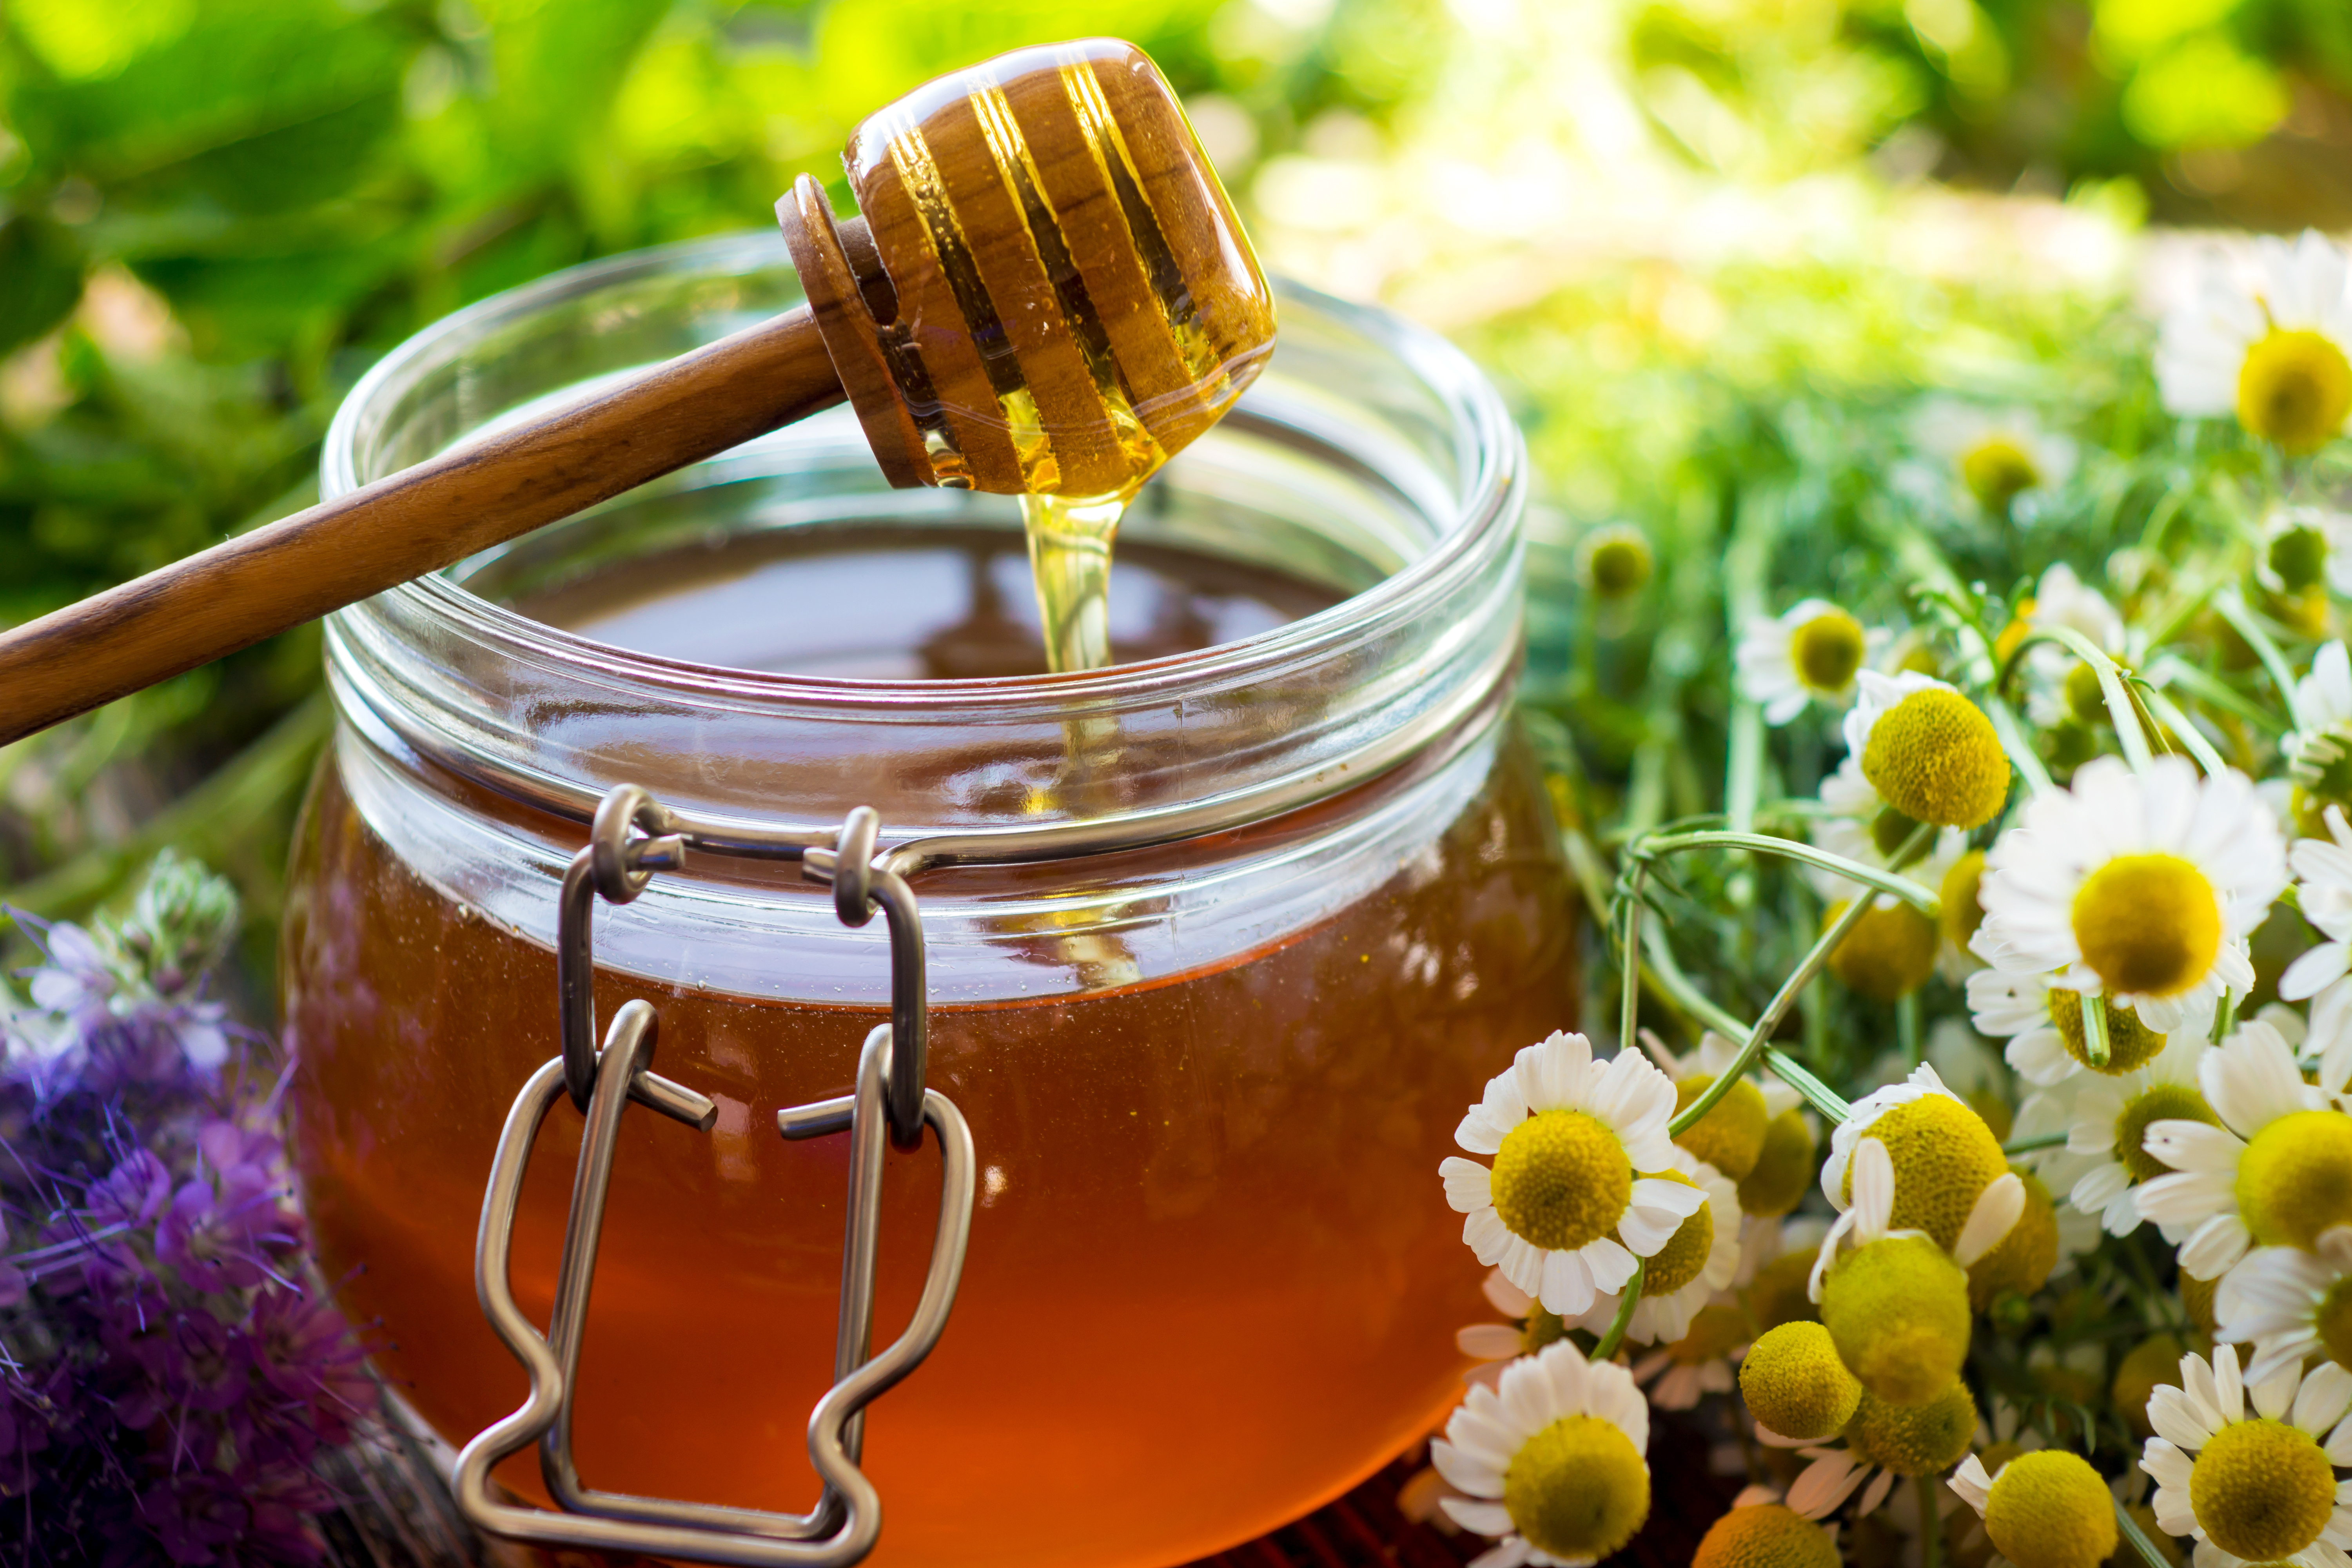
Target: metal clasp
(633, 837)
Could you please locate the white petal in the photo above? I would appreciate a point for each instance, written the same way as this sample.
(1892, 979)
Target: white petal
(1489, 1341)
(1469, 1185)
(1479, 1517)
(1995, 1213)
(1565, 1286)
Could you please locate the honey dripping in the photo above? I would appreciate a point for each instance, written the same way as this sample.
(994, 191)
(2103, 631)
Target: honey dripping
(1069, 561)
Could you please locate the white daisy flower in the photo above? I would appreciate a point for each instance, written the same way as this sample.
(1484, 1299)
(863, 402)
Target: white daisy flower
(2251, 1488)
(1992, 1212)
(2276, 350)
(1568, 1206)
(1686, 1273)
(2107, 1120)
(1810, 654)
(2278, 1171)
(1549, 1461)
(2323, 869)
(1883, 1444)
(2141, 887)
(2290, 1304)
(2054, 1510)
(1996, 453)
(1948, 1160)
(2304, 546)
(2044, 1025)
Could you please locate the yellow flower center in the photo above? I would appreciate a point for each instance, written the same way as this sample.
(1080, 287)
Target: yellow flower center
(1959, 909)
(1714, 1331)
(1620, 562)
(1765, 1535)
(1935, 758)
(1827, 650)
(2294, 390)
(2148, 925)
(1784, 1170)
(1684, 1256)
(2262, 1489)
(2131, 1043)
(1944, 1155)
(1913, 1439)
(1898, 1309)
(1561, 1180)
(1995, 470)
(1796, 1386)
(2158, 1102)
(2294, 1179)
(2051, 1510)
(1730, 1136)
(2297, 556)
(2086, 700)
(1577, 1489)
(2334, 1321)
(1541, 1328)
(2024, 1258)
(1890, 952)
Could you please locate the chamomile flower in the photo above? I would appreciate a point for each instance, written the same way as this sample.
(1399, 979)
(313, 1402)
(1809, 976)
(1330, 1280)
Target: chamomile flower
(1796, 1384)
(2276, 350)
(1696, 1264)
(1550, 1460)
(1680, 1374)
(2140, 888)
(1811, 654)
(1765, 1534)
(1930, 752)
(1897, 1306)
(2252, 1487)
(2049, 1509)
(1884, 1443)
(1941, 1155)
(2319, 752)
(1996, 454)
(1530, 1328)
(2044, 1022)
(2290, 1304)
(2323, 869)
(2107, 1118)
(2276, 1172)
(1614, 560)
(2304, 546)
(1568, 1206)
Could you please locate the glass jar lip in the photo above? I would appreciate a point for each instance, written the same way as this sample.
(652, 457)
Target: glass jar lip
(1486, 441)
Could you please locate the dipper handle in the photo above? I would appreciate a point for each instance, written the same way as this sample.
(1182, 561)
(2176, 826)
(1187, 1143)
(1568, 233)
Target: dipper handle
(408, 523)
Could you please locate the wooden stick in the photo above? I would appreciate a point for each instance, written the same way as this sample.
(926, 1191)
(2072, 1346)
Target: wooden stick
(411, 523)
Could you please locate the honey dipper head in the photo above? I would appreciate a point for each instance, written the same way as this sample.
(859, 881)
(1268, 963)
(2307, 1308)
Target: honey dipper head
(1047, 290)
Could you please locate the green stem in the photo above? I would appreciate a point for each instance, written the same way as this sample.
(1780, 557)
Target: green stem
(2232, 609)
(1743, 773)
(2167, 713)
(1615, 1337)
(2095, 1030)
(1819, 1095)
(2131, 1532)
(1906, 1025)
(2128, 732)
(1686, 995)
(1818, 955)
(2021, 751)
(2171, 670)
(1629, 1007)
(2039, 1140)
(1910, 892)
(2225, 1017)
(1931, 1531)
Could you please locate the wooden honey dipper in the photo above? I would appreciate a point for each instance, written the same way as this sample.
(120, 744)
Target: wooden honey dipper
(1046, 292)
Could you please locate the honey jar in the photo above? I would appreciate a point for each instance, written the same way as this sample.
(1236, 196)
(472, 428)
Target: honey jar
(1208, 1069)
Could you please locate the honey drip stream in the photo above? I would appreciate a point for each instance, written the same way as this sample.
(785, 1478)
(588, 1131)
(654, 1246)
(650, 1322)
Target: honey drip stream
(1069, 559)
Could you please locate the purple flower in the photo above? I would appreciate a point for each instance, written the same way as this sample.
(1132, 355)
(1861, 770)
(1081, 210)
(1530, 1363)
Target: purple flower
(282, 1503)
(194, 1514)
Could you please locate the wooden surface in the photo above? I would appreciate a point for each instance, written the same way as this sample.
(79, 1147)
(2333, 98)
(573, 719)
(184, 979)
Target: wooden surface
(411, 523)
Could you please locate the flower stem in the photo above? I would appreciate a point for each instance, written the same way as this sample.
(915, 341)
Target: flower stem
(1818, 955)
(1629, 1008)
(2039, 1140)
(1919, 898)
(2140, 1543)
(2129, 734)
(1624, 1319)
(2167, 713)
(1686, 995)
(2095, 1030)
(1931, 1533)
(2232, 609)
(1906, 1025)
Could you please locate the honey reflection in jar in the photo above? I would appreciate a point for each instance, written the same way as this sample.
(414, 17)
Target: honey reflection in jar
(1213, 1278)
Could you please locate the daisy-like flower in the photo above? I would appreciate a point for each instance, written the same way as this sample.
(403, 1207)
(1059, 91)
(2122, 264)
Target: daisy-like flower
(2276, 1172)
(2254, 1485)
(2043, 1024)
(1689, 1272)
(2323, 869)
(1930, 753)
(2304, 546)
(1883, 1444)
(2140, 888)
(1760, 1531)
(2107, 1122)
(1941, 1161)
(2290, 1304)
(2319, 752)
(1549, 1461)
(1493, 1345)
(1811, 654)
(1568, 1204)
(2276, 351)
(2047, 1510)
(1996, 453)
(1614, 560)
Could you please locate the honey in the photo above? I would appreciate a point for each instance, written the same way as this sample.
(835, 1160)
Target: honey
(1213, 1279)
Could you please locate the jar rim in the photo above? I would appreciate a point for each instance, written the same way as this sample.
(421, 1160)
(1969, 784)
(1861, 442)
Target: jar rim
(1487, 445)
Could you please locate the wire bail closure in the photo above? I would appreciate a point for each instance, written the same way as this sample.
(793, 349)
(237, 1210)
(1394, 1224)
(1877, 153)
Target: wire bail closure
(633, 837)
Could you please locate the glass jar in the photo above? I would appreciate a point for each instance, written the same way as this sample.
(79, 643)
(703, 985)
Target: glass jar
(1213, 1279)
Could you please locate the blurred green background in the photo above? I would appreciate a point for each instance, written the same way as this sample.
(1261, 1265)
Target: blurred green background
(1684, 235)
